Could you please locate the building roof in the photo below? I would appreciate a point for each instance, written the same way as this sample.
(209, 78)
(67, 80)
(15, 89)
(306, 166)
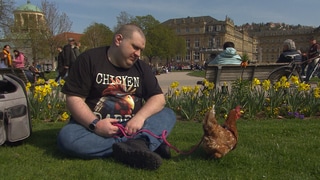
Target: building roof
(188, 20)
(29, 7)
(66, 35)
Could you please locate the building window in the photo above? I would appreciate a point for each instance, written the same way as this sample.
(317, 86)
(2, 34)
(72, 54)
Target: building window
(178, 58)
(197, 29)
(217, 42)
(210, 42)
(196, 56)
(197, 43)
(218, 28)
(178, 30)
(188, 43)
(210, 28)
(187, 29)
(188, 56)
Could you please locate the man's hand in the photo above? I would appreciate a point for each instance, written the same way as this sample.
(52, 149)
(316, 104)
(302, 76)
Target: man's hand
(106, 128)
(134, 125)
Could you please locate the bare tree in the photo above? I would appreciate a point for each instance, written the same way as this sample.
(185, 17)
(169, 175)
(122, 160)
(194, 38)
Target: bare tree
(37, 34)
(57, 23)
(123, 18)
(6, 20)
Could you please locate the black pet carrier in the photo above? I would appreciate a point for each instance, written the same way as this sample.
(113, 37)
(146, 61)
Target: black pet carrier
(15, 121)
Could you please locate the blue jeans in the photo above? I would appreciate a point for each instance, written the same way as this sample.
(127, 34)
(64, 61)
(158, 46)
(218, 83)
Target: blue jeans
(76, 140)
(2, 64)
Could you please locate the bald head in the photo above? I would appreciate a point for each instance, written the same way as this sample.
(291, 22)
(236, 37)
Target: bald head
(127, 31)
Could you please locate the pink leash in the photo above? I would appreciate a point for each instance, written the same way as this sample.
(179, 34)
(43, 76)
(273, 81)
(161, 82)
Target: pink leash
(163, 137)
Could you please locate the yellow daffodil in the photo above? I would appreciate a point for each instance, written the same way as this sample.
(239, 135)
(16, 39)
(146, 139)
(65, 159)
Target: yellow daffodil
(210, 86)
(64, 116)
(53, 83)
(40, 81)
(277, 85)
(295, 80)
(28, 85)
(174, 84)
(62, 81)
(196, 89)
(206, 82)
(255, 82)
(303, 87)
(266, 84)
(206, 93)
(176, 93)
(316, 92)
(286, 84)
(283, 79)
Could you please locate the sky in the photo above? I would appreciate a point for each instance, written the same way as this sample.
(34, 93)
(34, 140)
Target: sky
(83, 13)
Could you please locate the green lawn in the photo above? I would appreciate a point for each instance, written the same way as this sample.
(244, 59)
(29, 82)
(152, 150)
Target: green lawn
(267, 149)
(197, 73)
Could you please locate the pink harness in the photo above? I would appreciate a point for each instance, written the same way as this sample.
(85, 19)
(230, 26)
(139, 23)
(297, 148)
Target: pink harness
(162, 137)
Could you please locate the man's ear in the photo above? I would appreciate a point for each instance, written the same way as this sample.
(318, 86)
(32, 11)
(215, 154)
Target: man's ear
(118, 39)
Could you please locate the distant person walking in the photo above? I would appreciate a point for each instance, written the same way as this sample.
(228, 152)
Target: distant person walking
(68, 53)
(76, 49)
(62, 68)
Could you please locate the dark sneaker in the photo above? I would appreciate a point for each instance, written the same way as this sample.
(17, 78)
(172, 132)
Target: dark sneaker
(136, 153)
(164, 151)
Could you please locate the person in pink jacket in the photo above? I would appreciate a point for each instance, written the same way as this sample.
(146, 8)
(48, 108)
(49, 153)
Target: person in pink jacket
(19, 59)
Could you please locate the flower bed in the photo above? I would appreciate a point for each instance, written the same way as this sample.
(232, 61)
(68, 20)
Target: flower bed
(46, 102)
(284, 99)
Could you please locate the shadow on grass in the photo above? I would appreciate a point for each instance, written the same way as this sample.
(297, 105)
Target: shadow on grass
(47, 141)
(191, 152)
(199, 153)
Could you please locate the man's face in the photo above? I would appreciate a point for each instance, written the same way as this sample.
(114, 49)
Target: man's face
(130, 49)
(312, 41)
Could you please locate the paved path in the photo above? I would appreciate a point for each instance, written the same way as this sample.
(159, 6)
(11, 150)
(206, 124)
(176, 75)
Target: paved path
(165, 80)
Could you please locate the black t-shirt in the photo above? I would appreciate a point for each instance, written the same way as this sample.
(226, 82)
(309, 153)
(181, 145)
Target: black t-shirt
(110, 91)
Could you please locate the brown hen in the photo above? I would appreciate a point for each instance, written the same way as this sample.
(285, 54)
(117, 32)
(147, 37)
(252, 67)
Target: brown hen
(218, 139)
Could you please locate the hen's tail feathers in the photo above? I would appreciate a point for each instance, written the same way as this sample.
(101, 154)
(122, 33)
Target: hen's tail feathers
(210, 119)
(213, 112)
(212, 115)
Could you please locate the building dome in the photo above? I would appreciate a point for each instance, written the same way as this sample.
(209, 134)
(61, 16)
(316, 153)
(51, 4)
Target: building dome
(28, 17)
(29, 7)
